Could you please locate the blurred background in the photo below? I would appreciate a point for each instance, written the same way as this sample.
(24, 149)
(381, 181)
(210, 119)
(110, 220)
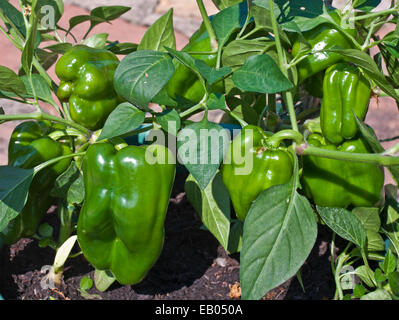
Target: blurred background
(383, 115)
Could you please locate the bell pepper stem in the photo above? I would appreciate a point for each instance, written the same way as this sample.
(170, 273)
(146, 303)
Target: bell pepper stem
(372, 158)
(278, 137)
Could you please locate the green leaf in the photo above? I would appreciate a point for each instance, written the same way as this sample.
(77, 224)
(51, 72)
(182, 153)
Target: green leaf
(393, 280)
(345, 224)
(300, 14)
(229, 20)
(370, 218)
(141, 75)
(76, 20)
(212, 205)
(42, 89)
(363, 273)
(261, 74)
(14, 189)
(238, 51)
(45, 58)
(392, 227)
(375, 242)
(98, 40)
(223, 4)
(211, 75)
(60, 48)
(390, 262)
(368, 65)
(216, 101)
(280, 230)
(376, 146)
(45, 230)
(69, 185)
(166, 118)
(122, 48)
(390, 55)
(366, 5)
(30, 43)
(103, 279)
(160, 34)
(124, 119)
(263, 22)
(201, 148)
(235, 237)
(359, 291)
(187, 60)
(109, 13)
(98, 15)
(379, 294)
(9, 81)
(86, 283)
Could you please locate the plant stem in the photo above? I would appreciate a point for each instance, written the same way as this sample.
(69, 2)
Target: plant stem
(208, 25)
(373, 158)
(288, 97)
(65, 214)
(238, 119)
(366, 264)
(44, 116)
(392, 150)
(374, 14)
(55, 160)
(201, 105)
(276, 139)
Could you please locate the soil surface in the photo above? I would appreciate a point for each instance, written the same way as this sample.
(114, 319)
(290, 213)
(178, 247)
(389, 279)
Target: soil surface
(192, 266)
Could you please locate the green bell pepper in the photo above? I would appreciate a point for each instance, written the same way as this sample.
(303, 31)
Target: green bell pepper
(337, 183)
(30, 146)
(345, 92)
(87, 76)
(121, 224)
(184, 82)
(324, 36)
(252, 165)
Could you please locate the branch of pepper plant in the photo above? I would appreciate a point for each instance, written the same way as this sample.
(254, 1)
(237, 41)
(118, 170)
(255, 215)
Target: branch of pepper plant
(288, 97)
(383, 159)
(44, 116)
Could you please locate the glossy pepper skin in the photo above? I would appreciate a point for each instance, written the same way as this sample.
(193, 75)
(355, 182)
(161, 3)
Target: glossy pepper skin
(324, 36)
(270, 166)
(184, 82)
(30, 146)
(121, 224)
(87, 76)
(337, 183)
(345, 91)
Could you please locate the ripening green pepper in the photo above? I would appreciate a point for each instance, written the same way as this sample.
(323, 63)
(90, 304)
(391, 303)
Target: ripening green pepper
(324, 36)
(184, 82)
(30, 146)
(252, 165)
(121, 224)
(337, 183)
(87, 76)
(345, 92)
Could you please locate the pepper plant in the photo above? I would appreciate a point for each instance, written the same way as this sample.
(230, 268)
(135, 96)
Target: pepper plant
(293, 80)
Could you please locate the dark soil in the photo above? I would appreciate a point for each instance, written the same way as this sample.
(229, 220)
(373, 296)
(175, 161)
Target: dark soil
(192, 266)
